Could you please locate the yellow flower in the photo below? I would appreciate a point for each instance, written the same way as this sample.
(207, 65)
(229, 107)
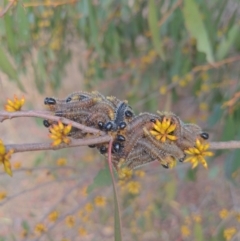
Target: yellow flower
(82, 231)
(139, 173)
(53, 216)
(133, 187)
(100, 201)
(70, 221)
(14, 105)
(163, 90)
(88, 207)
(83, 191)
(125, 173)
(185, 231)
(59, 133)
(40, 228)
(3, 195)
(61, 161)
(5, 157)
(223, 213)
(238, 217)
(229, 232)
(198, 153)
(197, 218)
(164, 130)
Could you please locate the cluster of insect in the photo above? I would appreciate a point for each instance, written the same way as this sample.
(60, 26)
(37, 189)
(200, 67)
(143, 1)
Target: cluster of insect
(136, 140)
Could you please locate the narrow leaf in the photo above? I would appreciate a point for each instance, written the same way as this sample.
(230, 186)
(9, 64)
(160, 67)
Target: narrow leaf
(7, 68)
(102, 179)
(198, 232)
(226, 44)
(154, 29)
(196, 28)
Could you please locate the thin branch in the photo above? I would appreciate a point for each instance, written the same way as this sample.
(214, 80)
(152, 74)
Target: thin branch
(49, 116)
(225, 145)
(168, 14)
(49, 4)
(4, 11)
(48, 146)
(206, 67)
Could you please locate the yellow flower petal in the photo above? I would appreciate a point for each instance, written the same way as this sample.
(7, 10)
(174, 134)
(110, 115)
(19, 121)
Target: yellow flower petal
(56, 142)
(154, 133)
(172, 138)
(171, 128)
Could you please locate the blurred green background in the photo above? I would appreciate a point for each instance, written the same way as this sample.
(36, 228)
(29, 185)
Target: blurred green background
(174, 55)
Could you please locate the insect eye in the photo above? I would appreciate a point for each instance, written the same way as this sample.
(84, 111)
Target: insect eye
(205, 135)
(68, 99)
(108, 126)
(153, 120)
(116, 147)
(122, 125)
(46, 123)
(49, 101)
(103, 149)
(165, 166)
(128, 113)
(91, 146)
(120, 138)
(100, 124)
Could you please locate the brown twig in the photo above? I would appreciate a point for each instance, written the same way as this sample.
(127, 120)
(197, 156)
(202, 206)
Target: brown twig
(49, 4)
(167, 14)
(225, 145)
(4, 11)
(4, 115)
(206, 67)
(48, 146)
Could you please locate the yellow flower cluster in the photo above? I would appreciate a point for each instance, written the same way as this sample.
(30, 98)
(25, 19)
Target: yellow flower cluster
(5, 157)
(40, 228)
(3, 195)
(162, 130)
(100, 201)
(185, 231)
(53, 216)
(59, 133)
(134, 187)
(15, 104)
(223, 213)
(229, 233)
(62, 162)
(82, 231)
(125, 173)
(197, 154)
(70, 221)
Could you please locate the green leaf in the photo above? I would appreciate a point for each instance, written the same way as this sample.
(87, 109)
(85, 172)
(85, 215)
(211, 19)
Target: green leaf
(23, 24)
(227, 43)
(154, 29)
(94, 28)
(198, 232)
(170, 190)
(191, 174)
(196, 28)
(7, 68)
(25, 225)
(11, 37)
(102, 179)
